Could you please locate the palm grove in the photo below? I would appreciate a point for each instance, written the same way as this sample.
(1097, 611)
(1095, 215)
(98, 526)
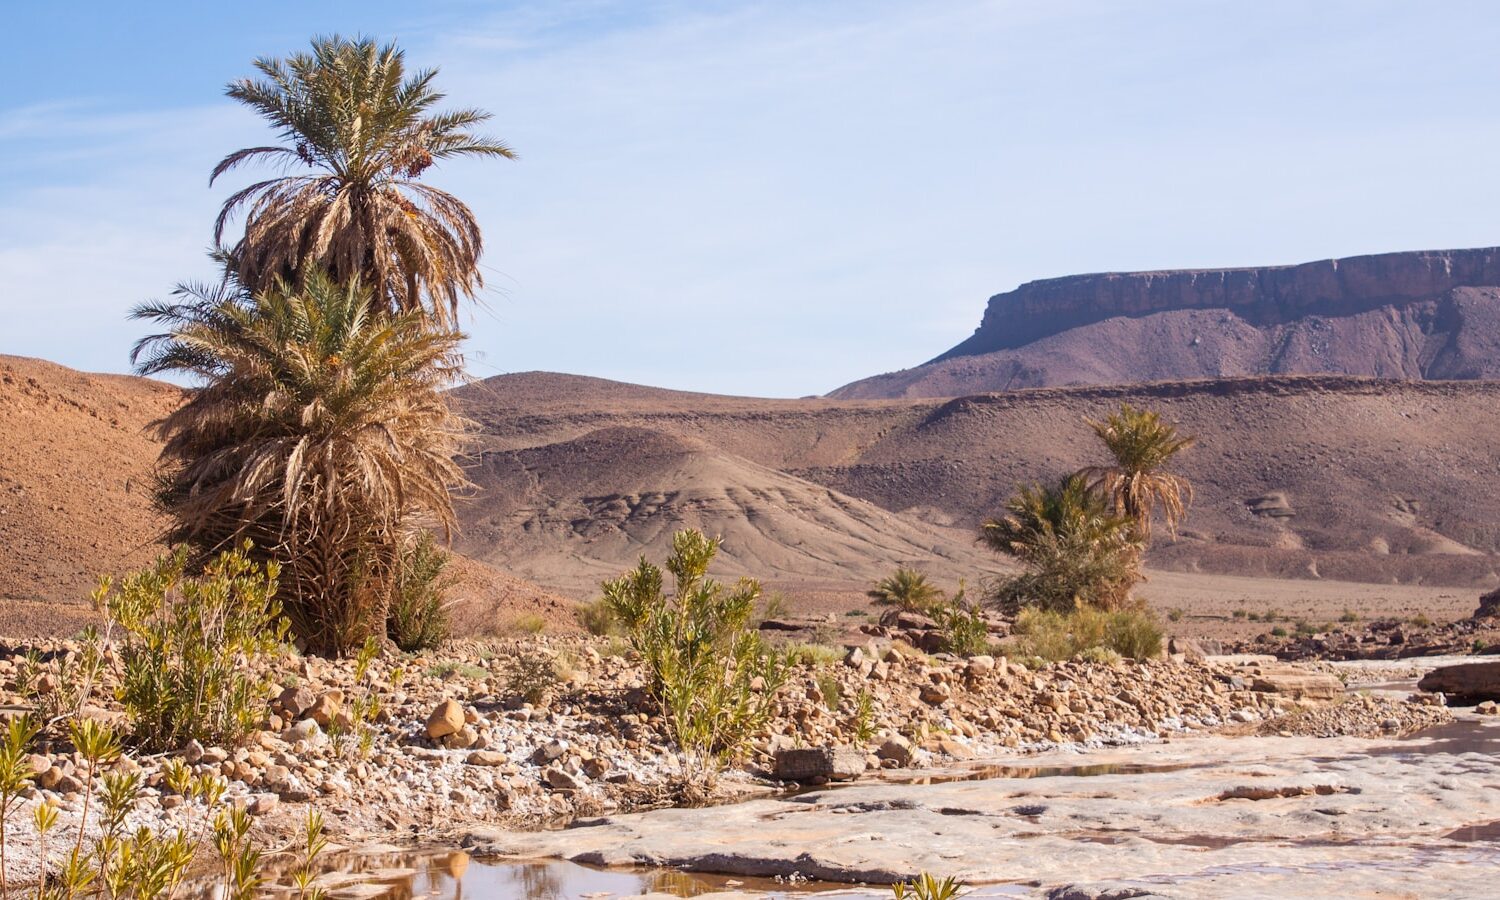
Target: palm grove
(319, 430)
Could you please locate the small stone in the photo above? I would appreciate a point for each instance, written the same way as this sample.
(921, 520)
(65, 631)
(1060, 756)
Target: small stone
(935, 694)
(487, 758)
(294, 701)
(263, 804)
(446, 719)
(326, 708)
(559, 780)
(305, 730)
(193, 752)
(896, 749)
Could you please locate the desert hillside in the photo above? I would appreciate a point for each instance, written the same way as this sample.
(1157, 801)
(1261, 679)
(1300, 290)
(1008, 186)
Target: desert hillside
(1298, 477)
(1416, 315)
(76, 460)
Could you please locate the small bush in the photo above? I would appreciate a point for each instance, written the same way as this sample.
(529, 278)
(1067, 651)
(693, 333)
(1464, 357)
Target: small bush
(815, 655)
(1278, 631)
(863, 723)
(1101, 655)
(534, 676)
(1349, 616)
(185, 644)
(1241, 614)
(418, 614)
(963, 626)
(907, 590)
(713, 676)
(597, 618)
(1175, 614)
(831, 691)
(527, 623)
(1420, 620)
(446, 670)
(1055, 636)
(927, 887)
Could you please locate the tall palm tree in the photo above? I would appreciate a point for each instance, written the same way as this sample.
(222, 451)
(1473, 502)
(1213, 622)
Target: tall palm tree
(906, 589)
(1076, 550)
(320, 430)
(349, 112)
(1142, 445)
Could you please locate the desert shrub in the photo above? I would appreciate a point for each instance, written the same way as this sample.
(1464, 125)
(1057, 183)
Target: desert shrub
(809, 654)
(1240, 614)
(527, 623)
(962, 624)
(1101, 655)
(1056, 636)
(1278, 631)
(1421, 620)
(597, 618)
(906, 589)
(418, 615)
(1076, 551)
(862, 724)
(1349, 616)
(714, 678)
(1175, 614)
(534, 676)
(831, 691)
(190, 647)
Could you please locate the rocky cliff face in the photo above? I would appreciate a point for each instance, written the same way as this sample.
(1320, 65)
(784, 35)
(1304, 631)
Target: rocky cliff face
(1430, 314)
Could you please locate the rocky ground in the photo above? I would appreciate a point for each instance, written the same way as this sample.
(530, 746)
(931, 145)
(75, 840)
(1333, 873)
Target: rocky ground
(522, 733)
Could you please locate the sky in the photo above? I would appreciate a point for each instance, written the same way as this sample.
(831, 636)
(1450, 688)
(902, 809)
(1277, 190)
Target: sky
(771, 198)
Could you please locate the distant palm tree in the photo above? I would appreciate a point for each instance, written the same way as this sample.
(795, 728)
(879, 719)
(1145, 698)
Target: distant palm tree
(349, 111)
(1136, 485)
(906, 589)
(1075, 548)
(321, 431)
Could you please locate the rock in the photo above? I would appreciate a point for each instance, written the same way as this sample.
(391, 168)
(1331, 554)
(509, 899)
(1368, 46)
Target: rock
(896, 749)
(983, 664)
(487, 758)
(1464, 684)
(560, 780)
(1488, 708)
(305, 730)
(935, 694)
(447, 718)
(954, 749)
(548, 752)
(807, 763)
(1098, 892)
(462, 739)
(294, 701)
(1189, 649)
(213, 756)
(193, 752)
(263, 804)
(1298, 685)
(326, 708)
(1489, 606)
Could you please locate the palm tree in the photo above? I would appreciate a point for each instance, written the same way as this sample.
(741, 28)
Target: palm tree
(1142, 444)
(349, 112)
(320, 430)
(1076, 550)
(908, 590)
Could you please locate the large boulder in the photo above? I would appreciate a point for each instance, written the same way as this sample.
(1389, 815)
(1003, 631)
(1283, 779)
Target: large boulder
(1465, 684)
(810, 763)
(1489, 606)
(1298, 685)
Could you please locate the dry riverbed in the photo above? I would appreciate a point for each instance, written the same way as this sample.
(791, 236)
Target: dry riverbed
(458, 754)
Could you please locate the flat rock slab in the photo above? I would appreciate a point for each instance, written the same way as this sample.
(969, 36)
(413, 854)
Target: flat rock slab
(1465, 684)
(1210, 817)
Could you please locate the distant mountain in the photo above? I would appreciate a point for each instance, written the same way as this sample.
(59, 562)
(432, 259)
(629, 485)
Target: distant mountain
(1417, 315)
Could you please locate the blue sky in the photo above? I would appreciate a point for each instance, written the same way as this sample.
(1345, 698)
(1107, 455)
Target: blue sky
(770, 198)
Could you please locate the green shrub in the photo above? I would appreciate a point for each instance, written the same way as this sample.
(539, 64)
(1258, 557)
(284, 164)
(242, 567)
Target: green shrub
(831, 691)
(418, 615)
(1076, 550)
(1056, 636)
(1240, 614)
(526, 623)
(1278, 631)
(597, 618)
(535, 676)
(927, 887)
(815, 655)
(188, 648)
(1102, 655)
(863, 722)
(908, 590)
(714, 678)
(1349, 616)
(1175, 614)
(964, 629)
(1420, 620)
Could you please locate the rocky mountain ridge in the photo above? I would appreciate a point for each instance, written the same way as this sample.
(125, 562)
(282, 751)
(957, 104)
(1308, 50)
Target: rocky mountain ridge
(1411, 315)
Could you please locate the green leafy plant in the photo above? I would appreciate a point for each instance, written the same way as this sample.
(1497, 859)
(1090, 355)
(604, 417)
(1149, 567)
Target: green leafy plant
(418, 617)
(712, 675)
(863, 722)
(814, 655)
(185, 643)
(597, 618)
(15, 777)
(962, 625)
(831, 691)
(906, 589)
(534, 675)
(1076, 550)
(1136, 484)
(927, 887)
